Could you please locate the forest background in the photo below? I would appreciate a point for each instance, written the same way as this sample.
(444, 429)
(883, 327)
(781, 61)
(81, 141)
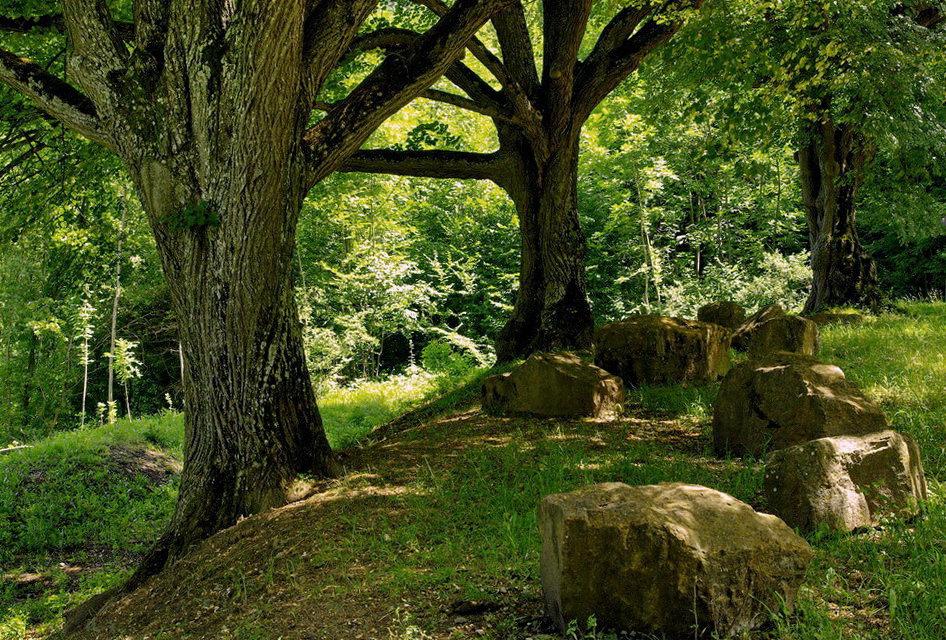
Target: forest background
(689, 191)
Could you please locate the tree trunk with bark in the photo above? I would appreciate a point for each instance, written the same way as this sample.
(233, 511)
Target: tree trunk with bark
(832, 166)
(551, 309)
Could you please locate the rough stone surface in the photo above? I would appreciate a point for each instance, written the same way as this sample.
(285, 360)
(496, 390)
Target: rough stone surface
(785, 399)
(648, 349)
(740, 339)
(724, 313)
(554, 384)
(793, 334)
(661, 558)
(821, 319)
(846, 482)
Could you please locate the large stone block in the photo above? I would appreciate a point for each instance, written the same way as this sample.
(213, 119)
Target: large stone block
(554, 384)
(792, 334)
(846, 482)
(785, 399)
(724, 313)
(740, 339)
(665, 558)
(648, 349)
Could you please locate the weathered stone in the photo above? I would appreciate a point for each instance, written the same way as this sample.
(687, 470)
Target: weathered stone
(554, 384)
(792, 334)
(740, 339)
(846, 482)
(648, 349)
(785, 399)
(663, 558)
(822, 319)
(724, 313)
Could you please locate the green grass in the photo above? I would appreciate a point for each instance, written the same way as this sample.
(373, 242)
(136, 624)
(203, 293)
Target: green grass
(470, 526)
(67, 504)
(350, 413)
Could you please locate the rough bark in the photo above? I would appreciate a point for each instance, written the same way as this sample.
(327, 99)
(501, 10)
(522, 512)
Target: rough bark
(832, 166)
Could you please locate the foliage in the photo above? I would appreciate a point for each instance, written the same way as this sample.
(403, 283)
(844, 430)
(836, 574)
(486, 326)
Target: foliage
(195, 215)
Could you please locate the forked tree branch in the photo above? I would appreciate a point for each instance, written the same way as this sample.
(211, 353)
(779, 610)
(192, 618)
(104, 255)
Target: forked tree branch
(482, 97)
(600, 75)
(393, 84)
(479, 50)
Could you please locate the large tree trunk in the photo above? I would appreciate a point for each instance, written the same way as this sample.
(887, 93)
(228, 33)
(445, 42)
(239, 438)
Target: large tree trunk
(832, 170)
(551, 309)
(252, 423)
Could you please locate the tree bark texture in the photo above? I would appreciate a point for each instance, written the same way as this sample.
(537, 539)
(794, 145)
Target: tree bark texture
(538, 119)
(551, 309)
(832, 166)
(207, 103)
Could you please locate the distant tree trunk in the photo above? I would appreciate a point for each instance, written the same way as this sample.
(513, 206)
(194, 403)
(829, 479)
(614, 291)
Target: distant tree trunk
(115, 298)
(551, 309)
(832, 170)
(28, 380)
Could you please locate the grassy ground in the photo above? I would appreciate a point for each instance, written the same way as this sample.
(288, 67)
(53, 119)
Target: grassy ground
(433, 533)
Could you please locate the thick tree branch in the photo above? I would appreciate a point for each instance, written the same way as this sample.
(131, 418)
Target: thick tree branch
(394, 83)
(328, 37)
(479, 50)
(98, 52)
(425, 164)
(516, 46)
(57, 98)
(599, 77)
(387, 38)
(482, 97)
(465, 103)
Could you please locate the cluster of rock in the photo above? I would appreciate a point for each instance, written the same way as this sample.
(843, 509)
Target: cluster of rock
(688, 560)
(643, 349)
(833, 462)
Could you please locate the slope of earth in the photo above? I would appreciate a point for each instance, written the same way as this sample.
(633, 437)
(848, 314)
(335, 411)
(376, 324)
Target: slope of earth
(431, 533)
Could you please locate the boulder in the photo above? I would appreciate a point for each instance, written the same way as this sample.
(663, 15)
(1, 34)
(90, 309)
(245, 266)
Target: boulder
(822, 319)
(659, 558)
(845, 483)
(785, 399)
(792, 334)
(740, 339)
(724, 313)
(648, 349)
(554, 384)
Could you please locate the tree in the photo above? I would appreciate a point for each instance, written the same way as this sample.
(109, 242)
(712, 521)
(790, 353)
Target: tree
(209, 106)
(538, 121)
(849, 77)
